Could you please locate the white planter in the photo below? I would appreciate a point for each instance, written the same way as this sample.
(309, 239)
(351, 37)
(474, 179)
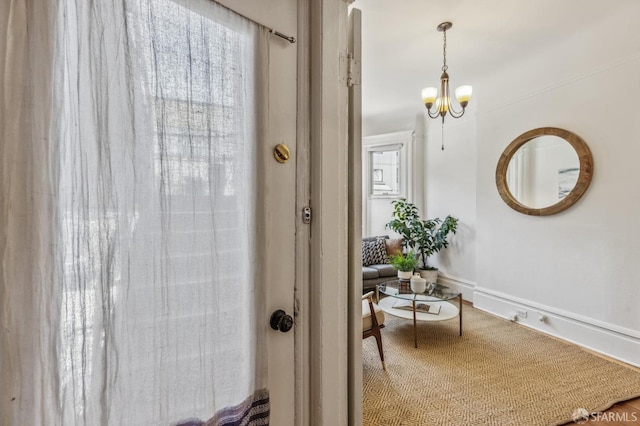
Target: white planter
(418, 284)
(431, 275)
(405, 275)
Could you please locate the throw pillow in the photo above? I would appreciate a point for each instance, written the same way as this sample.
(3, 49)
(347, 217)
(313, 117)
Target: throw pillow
(393, 247)
(374, 252)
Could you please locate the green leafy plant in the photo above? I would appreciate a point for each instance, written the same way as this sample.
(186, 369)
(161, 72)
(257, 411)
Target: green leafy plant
(425, 236)
(404, 262)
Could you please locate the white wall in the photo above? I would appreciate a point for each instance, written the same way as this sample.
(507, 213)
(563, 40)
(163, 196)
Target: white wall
(579, 267)
(451, 190)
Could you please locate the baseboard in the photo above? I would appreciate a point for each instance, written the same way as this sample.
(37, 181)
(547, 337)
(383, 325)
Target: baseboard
(611, 340)
(608, 339)
(461, 285)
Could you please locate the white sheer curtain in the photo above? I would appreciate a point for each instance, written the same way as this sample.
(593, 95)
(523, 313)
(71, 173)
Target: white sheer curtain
(130, 208)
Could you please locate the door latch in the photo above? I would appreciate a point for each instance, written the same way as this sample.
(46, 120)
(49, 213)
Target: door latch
(306, 215)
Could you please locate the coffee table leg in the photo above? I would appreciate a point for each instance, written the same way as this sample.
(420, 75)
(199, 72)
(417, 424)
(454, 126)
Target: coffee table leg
(415, 328)
(460, 306)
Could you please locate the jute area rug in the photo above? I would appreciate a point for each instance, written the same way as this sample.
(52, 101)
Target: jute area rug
(497, 373)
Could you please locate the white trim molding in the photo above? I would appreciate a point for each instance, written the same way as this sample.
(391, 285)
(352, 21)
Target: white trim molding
(461, 285)
(614, 341)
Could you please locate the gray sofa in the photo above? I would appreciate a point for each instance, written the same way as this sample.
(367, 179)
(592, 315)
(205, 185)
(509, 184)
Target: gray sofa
(374, 274)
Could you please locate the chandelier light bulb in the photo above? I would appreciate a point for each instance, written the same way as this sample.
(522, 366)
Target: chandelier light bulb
(429, 95)
(463, 95)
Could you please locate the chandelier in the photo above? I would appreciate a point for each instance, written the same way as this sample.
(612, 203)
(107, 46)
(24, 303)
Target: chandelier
(442, 99)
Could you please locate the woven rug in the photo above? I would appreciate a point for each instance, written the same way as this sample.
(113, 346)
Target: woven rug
(497, 373)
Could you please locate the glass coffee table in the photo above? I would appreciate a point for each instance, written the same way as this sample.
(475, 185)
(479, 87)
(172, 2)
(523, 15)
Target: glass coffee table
(432, 305)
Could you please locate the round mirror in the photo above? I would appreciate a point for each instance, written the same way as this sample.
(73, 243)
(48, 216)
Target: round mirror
(544, 171)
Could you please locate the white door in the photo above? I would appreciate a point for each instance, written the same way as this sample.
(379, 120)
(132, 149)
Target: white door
(355, 217)
(279, 186)
(126, 211)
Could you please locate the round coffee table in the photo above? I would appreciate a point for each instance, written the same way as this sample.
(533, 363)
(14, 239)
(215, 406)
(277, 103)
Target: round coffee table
(432, 305)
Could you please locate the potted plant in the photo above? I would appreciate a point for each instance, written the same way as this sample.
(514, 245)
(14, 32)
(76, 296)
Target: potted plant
(425, 236)
(405, 264)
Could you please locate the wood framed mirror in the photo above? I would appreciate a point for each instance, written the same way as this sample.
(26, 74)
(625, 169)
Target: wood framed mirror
(544, 171)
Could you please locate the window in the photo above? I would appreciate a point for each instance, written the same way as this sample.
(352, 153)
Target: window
(385, 171)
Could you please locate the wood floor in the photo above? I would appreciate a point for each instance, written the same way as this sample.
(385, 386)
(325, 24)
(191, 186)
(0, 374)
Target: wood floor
(624, 413)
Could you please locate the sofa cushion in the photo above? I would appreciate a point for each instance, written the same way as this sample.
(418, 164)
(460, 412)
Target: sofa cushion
(384, 270)
(393, 246)
(369, 273)
(374, 252)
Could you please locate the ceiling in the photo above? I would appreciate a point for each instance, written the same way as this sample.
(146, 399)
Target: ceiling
(402, 50)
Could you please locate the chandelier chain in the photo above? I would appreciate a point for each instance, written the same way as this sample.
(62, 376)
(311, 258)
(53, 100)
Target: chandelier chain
(444, 52)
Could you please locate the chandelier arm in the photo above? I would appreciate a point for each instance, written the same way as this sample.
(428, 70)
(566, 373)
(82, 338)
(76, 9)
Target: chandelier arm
(454, 113)
(435, 115)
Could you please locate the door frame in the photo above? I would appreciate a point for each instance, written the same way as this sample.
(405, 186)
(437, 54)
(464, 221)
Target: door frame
(328, 292)
(355, 218)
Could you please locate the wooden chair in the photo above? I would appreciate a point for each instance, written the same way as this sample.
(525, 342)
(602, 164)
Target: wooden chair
(371, 324)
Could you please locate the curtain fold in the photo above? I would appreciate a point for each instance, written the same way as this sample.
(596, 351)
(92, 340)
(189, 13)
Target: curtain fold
(131, 213)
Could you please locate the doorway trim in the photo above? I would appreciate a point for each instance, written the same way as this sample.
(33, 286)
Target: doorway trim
(327, 294)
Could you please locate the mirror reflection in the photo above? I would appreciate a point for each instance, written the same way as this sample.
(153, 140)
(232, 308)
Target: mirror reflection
(543, 171)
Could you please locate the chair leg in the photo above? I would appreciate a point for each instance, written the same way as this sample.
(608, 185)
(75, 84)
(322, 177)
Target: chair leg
(375, 329)
(378, 337)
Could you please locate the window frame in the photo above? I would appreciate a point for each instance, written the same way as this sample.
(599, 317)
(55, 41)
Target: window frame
(370, 150)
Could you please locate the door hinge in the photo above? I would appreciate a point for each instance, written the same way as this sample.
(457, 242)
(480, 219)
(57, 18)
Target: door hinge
(306, 215)
(353, 70)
